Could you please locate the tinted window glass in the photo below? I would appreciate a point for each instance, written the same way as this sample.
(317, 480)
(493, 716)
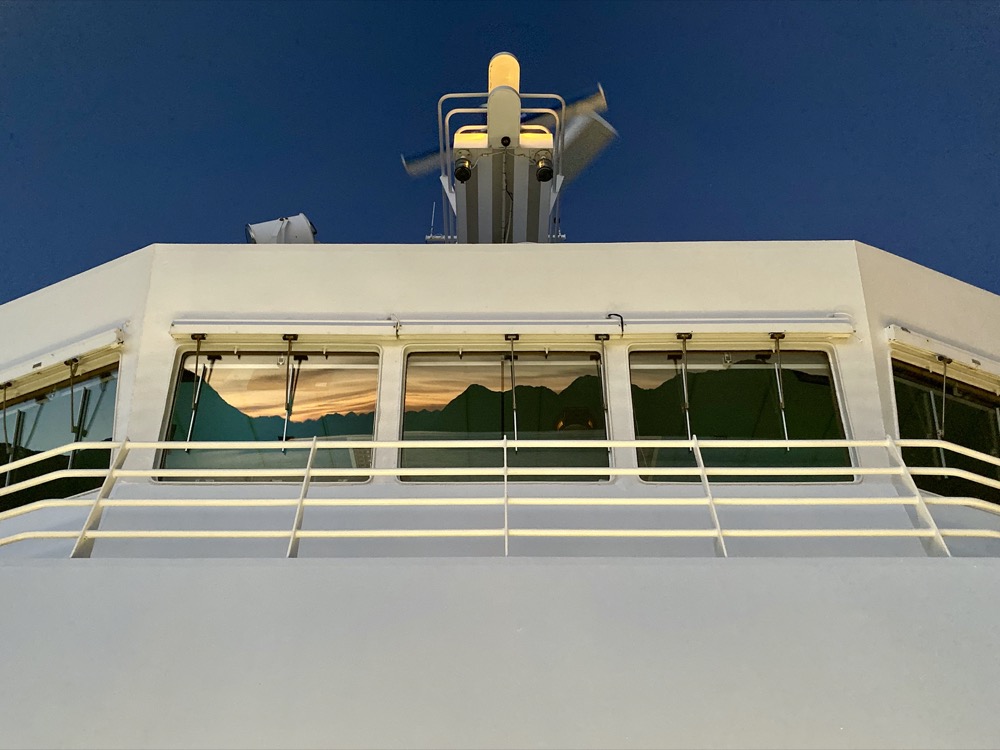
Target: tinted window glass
(734, 395)
(243, 398)
(483, 395)
(53, 417)
(966, 416)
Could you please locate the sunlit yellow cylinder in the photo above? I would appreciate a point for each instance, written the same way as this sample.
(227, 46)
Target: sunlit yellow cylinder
(505, 70)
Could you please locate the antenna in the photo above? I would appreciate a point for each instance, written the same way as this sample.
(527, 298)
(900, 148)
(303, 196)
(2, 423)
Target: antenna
(430, 237)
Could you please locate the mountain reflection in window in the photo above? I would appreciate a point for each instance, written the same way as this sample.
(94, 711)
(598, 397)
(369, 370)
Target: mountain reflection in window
(734, 395)
(469, 397)
(242, 397)
(50, 418)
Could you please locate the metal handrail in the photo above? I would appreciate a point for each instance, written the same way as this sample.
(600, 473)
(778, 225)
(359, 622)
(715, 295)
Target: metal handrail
(90, 532)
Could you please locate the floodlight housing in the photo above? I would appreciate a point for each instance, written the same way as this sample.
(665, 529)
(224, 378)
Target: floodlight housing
(295, 230)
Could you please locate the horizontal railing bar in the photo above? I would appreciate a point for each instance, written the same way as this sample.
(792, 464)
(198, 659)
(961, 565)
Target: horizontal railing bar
(934, 471)
(980, 533)
(238, 504)
(491, 533)
(53, 452)
(396, 533)
(518, 471)
(271, 445)
(779, 533)
(198, 503)
(609, 501)
(953, 447)
(43, 505)
(813, 501)
(616, 533)
(25, 536)
(188, 534)
(390, 502)
(966, 502)
(51, 477)
(711, 533)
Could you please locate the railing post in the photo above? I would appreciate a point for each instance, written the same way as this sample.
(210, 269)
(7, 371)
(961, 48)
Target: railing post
(84, 544)
(506, 504)
(937, 546)
(720, 539)
(293, 542)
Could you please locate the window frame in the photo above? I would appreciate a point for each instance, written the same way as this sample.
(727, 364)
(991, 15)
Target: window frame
(585, 346)
(234, 346)
(41, 383)
(928, 372)
(743, 344)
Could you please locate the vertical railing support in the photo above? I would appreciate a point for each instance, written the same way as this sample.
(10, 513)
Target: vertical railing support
(936, 546)
(293, 542)
(85, 544)
(720, 538)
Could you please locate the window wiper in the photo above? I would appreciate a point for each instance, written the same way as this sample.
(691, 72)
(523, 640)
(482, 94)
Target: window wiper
(203, 378)
(79, 432)
(6, 436)
(602, 337)
(12, 447)
(291, 381)
(512, 337)
(686, 405)
(292, 385)
(777, 337)
(72, 363)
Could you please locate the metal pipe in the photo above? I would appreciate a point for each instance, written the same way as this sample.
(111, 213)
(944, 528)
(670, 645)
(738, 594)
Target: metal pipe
(777, 337)
(289, 393)
(18, 431)
(80, 432)
(6, 436)
(72, 364)
(686, 407)
(204, 377)
(512, 337)
(945, 361)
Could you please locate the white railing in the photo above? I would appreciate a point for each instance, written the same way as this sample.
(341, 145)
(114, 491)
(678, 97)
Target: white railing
(406, 495)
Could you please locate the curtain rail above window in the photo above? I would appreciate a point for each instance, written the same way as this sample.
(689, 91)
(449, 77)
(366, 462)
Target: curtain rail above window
(49, 367)
(920, 350)
(830, 327)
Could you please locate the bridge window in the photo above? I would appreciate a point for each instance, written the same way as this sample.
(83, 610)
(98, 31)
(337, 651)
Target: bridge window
(264, 396)
(488, 395)
(736, 395)
(929, 407)
(81, 409)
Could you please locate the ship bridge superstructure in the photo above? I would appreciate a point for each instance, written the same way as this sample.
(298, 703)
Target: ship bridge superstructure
(459, 507)
(185, 421)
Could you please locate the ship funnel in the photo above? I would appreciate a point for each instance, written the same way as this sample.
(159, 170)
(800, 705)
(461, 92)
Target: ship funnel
(286, 230)
(504, 162)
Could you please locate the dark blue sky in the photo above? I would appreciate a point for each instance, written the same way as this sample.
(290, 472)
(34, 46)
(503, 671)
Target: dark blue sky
(128, 123)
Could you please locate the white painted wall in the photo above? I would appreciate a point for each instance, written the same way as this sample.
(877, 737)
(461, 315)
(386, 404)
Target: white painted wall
(501, 654)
